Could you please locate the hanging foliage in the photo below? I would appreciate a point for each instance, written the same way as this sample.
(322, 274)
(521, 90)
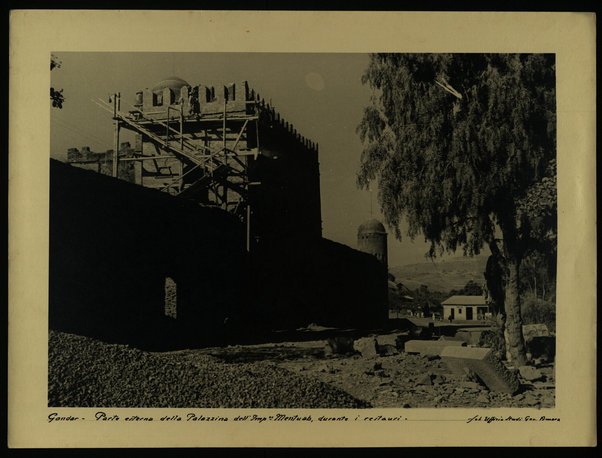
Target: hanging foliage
(459, 144)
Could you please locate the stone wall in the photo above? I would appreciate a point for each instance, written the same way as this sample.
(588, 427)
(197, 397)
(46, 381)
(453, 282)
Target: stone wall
(303, 281)
(112, 246)
(103, 162)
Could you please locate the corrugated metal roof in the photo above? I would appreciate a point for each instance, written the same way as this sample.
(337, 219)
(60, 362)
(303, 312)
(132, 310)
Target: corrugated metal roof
(465, 300)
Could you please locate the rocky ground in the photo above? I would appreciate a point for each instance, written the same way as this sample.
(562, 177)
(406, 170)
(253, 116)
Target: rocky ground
(88, 373)
(399, 380)
(85, 372)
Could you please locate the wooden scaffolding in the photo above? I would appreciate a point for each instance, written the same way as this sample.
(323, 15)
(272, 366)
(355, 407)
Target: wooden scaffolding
(203, 146)
(203, 156)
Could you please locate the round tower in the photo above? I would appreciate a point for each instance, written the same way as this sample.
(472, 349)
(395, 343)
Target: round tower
(372, 239)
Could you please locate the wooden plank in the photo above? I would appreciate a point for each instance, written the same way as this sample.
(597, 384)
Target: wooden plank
(146, 158)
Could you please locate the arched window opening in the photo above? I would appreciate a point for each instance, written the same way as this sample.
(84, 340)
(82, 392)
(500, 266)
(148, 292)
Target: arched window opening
(171, 297)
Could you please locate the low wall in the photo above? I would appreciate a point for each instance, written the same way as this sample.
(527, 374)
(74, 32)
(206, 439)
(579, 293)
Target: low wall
(300, 282)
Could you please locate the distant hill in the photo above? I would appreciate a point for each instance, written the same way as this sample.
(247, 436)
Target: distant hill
(444, 275)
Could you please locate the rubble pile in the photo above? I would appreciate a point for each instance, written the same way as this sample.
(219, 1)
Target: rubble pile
(390, 370)
(83, 372)
(423, 381)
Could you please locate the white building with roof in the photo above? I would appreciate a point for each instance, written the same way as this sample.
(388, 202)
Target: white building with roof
(466, 308)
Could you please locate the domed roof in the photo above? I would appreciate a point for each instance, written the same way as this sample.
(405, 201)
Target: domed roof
(173, 82)
(371, 226)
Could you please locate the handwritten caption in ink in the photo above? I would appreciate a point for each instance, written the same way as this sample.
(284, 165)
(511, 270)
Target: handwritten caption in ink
(102, 416)
(509, 419)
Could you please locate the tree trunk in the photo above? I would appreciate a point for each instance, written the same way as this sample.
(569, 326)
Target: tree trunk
(513, 329)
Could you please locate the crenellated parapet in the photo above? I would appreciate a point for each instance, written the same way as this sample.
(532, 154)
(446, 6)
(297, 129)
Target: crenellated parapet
(192, 101)
(277, 130)
(84, 154)
(101, 162)
(237, 100)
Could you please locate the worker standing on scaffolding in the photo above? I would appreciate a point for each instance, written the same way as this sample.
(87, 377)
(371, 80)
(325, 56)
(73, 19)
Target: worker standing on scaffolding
(193, 99)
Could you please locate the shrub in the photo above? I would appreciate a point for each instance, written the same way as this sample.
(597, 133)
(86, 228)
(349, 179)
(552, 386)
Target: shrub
(494, 339)
(536, 310)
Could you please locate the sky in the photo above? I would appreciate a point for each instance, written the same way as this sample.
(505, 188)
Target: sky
(321, 94)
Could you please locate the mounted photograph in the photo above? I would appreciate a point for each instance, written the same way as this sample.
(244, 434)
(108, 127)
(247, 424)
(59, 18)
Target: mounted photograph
(302, 230)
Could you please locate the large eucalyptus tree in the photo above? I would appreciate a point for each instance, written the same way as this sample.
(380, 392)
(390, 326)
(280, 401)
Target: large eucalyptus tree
(457, 144)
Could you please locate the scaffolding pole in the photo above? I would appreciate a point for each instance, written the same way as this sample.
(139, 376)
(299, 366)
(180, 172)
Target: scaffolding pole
(225, 155)
(180, 163)
(223, 166)
(116, 136)
(248, 215)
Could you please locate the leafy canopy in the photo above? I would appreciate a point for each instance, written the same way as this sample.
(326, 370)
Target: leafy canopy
(455, 141)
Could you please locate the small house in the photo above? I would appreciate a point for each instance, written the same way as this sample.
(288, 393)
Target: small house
(465, 308)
